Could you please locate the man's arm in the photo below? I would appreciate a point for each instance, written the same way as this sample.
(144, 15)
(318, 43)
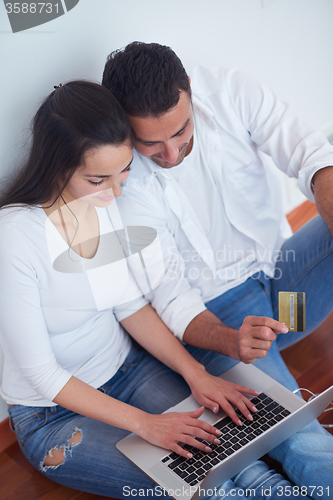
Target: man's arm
(251, 341)
(323, 191)
(180, 306)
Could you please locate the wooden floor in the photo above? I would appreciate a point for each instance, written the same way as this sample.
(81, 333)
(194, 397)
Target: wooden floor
(310, 361)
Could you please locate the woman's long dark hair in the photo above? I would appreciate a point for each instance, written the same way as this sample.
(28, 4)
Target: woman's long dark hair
(76, 117)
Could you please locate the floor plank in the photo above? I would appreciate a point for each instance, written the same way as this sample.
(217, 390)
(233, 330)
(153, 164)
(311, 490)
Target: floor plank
(12, 475)
(302, 214)
(7, 436)
(91, 496)
(320, 376)
(308, 351)
(41, 488)
(15, 453)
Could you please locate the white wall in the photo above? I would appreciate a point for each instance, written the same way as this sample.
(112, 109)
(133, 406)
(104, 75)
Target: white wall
(287, 45)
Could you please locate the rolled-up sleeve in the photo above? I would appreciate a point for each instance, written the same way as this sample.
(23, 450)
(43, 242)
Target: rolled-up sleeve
(295, 147)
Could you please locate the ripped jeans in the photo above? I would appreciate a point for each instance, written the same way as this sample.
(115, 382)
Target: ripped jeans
(89, 460)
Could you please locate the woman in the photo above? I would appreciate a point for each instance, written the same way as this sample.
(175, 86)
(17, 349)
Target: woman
(75, 381)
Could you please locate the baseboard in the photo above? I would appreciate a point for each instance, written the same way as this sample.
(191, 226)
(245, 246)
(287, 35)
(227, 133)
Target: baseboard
(7, 436)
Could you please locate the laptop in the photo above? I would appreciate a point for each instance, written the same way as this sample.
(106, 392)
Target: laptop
(280, 414)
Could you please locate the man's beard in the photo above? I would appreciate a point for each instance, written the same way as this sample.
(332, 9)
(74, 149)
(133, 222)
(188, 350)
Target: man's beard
(164, 164)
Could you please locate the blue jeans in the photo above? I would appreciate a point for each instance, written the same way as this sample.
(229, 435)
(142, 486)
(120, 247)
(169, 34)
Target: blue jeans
(95, 465)
(306, 264)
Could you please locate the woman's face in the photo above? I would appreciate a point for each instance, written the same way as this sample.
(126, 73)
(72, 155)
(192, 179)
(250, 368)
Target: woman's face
(98, 181)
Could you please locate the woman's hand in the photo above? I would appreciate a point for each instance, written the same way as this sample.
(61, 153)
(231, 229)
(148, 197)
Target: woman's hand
(215, 393)
(212, 392)
(170, 429)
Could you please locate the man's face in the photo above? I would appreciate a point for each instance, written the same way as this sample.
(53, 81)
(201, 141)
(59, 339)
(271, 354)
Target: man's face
(168, 138)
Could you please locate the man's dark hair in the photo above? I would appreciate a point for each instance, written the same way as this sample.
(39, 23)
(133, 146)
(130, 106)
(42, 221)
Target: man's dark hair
(146, 78)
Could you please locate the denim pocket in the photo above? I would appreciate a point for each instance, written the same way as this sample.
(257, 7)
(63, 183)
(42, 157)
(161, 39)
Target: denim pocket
(27, 420)
(132, 360)
(264, 281)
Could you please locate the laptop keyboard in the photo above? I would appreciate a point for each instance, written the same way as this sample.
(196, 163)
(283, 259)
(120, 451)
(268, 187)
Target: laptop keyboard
(193, 470)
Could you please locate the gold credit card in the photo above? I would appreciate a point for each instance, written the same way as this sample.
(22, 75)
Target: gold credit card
(292, 310)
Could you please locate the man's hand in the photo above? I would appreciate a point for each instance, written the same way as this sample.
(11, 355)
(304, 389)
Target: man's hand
(255, 337)
(251, 341)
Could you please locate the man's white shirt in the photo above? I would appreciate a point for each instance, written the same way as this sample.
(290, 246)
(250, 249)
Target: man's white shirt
(233, 253)
(219, 214)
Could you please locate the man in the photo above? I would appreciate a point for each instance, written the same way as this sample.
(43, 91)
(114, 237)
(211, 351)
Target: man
(202, 178)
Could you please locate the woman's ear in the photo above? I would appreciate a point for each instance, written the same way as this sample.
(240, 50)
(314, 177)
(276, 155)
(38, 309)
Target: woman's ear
(189, 80)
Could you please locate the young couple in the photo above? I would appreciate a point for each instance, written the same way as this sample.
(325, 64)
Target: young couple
(87, 358)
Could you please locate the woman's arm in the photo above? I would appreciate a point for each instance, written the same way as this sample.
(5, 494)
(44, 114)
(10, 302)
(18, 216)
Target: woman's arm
(212, 392)
(27, 340)
(167, 430)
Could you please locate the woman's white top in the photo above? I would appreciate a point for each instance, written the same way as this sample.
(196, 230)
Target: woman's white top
(56, 308)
